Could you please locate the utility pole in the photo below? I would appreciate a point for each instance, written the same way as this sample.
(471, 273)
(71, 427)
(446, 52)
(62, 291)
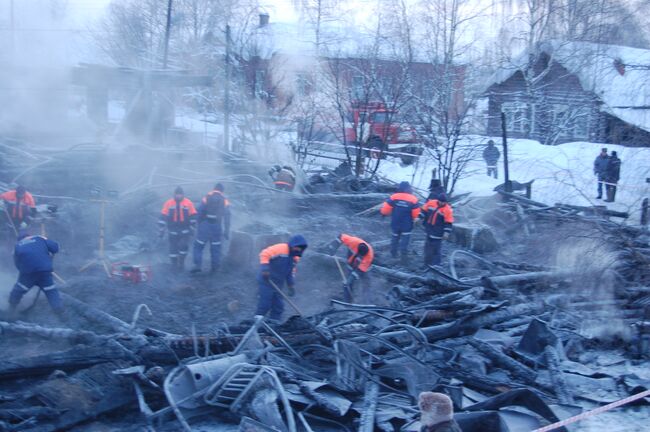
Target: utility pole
(505, 152)
(167, 29)
(226, 94)
(12, 25)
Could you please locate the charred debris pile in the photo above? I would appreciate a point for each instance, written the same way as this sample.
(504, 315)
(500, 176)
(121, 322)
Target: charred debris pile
(515, 346)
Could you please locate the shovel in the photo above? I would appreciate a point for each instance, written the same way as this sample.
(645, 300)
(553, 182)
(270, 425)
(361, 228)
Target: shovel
(347, 293)
(322, 331)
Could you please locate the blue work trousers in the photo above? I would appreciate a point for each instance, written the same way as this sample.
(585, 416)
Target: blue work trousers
(270, 300)
(208, 233)
(399, 240)
(432, 251)
(44, 281)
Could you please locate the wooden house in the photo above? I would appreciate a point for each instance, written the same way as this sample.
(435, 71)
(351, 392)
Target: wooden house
(574, 91)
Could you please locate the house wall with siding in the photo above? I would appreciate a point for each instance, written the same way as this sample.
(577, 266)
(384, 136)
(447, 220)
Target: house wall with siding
(540, 104)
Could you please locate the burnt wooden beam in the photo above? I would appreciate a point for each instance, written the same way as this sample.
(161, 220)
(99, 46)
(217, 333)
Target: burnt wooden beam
(518, 370)
(78, 357)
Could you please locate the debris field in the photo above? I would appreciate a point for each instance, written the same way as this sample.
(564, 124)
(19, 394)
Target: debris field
(539, 312)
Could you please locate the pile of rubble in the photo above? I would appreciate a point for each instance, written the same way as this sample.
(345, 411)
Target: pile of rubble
(516, 346)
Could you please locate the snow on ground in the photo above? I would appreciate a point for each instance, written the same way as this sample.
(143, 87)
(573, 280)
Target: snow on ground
(562, 173)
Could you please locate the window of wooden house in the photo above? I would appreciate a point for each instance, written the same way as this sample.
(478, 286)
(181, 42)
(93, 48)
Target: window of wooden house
(570, 122)
(259, 82)
(516, 117)
(580, 123)
(357, 87)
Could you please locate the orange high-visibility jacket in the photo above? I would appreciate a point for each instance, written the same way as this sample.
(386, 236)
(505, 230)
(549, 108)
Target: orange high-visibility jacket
(18, 210)
(353, 244)
(176, 213)
(277, 260)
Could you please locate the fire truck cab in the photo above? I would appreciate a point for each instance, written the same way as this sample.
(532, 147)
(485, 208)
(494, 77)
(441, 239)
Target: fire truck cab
(378, 128)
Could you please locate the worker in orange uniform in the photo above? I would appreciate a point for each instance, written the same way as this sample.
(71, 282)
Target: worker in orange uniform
(438, 223)
(277, 266)
(178, 216)
(214, 225)
(284, 178)
(404, 208)
(19, 205)
(359, 261)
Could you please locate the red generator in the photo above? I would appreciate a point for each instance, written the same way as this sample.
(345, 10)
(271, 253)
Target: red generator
(131, 273)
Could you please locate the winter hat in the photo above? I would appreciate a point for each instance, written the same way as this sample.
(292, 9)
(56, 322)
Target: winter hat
(442, 197)
(604, 149)
(404, 187)
(490, 142)
(179, 191)
(20, 190)
(614, 154)
(363, 249)
(219, 187)
(435, 408)
(298, 241)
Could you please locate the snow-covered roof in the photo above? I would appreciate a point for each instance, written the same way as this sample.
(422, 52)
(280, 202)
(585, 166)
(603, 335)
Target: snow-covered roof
(619, 76)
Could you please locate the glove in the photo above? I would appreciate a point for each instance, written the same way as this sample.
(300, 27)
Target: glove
(291, 290)
(266, 275)
(353, 276)
(445, 236)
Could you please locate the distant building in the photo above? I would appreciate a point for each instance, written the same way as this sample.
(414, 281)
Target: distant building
(281, 65)
(574, 91)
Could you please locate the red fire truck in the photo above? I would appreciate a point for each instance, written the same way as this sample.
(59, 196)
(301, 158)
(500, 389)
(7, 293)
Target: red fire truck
(378, 128)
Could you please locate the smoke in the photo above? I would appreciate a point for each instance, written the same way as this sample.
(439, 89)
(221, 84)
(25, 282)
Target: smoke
(37, 48)
(593, 261)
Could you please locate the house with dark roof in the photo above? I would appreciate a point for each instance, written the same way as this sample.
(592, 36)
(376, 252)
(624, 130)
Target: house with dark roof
(574, 91)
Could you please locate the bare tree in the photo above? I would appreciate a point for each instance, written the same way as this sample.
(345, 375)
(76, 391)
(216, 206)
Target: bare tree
(444, 106)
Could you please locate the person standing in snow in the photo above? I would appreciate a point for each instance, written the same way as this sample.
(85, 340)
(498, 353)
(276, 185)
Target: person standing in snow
(403, 207)
(600, 170)
(491, 155)
(612, 175)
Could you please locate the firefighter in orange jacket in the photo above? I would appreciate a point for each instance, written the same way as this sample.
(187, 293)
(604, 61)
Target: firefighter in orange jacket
(359, 261)
(404, 208)
(284, 178)
(438, 222)
(178, 216)
(277, 266)
(20, 206)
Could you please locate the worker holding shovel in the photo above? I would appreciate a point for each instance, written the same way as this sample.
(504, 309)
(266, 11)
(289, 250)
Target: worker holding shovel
(277, 266)
(359, 261)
